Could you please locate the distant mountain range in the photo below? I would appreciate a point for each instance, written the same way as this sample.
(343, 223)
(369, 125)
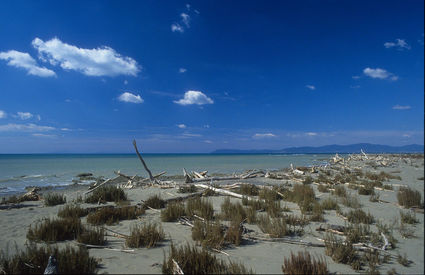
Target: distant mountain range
(352, 148)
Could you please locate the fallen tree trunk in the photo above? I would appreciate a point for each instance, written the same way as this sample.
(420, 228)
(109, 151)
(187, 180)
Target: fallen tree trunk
(143, 162)
(222, 191)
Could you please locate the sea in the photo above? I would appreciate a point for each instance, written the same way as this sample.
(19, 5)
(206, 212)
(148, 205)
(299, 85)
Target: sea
(18, 171)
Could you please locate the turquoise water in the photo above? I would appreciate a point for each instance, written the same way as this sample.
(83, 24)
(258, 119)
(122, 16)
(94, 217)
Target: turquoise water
(19, 171)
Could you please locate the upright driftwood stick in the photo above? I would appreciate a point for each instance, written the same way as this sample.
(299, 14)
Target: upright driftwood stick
(143, 162)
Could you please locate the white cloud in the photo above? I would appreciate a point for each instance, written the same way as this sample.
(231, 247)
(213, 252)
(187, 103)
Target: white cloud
(103, 61)
(266, 135)
(182, 70)
(185, 19)
(129, 97)
(25, 61)
(44, 135)
(311, 87)
(3, 114)
(11, 127)
(38, 117)
(176, 27)
(181, 126)
(66, 129)
(311, 134)
(406, 135)
(399, 107)
(191, 135)
(24, 115)
(194, 97)
(208, 141)
(400, 44)
(355, 76)
(379, 73)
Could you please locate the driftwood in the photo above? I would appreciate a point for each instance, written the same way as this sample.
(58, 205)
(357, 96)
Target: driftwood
(176, 268)
(103, 183)
(143, 162)
(222, 191)
(105, 247)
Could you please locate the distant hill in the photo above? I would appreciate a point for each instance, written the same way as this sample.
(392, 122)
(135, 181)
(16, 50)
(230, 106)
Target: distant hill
(352, 148)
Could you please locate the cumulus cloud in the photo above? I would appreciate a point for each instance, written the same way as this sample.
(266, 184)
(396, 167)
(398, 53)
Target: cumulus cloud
(265, 135)
(400, 44)
(379, 73)
(24, 115)
(399, 107)
(194, 97)
(181, 126)
(129, 97)
(102, 61)
(182, 70)
(12, 127)
(3, 114)
(185, 19)
(184, 22)
(25, 61)
(311, 87)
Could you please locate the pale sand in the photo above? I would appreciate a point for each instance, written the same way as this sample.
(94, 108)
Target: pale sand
(262, 257)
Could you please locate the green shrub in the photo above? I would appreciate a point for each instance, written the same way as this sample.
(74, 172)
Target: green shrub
(52, 199)
(107, 193)
(147, 235)
(303, 263)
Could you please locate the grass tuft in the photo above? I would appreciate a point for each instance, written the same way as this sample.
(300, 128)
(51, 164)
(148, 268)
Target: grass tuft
(147, 235)
(155, 202)
(200, 207)
(107, 193)
(94, 236)
(408, 217)
(249, 189)
(359, 216)
(53, 230)
(173, 212)
(112, 215)
(303, 263)
(72, 211)
(52, 199)
(408, 197)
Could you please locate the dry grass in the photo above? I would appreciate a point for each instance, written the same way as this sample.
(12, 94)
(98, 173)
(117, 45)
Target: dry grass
(200, 207)
(70, 260)
(341, 252)
(52, 199)
(408, 217)
(112, 215)
(408, 197)
(329, 204)
(403, 260)
(268, 194)
(317, 213)
(209, 234)
(275, 227)
(53, 230)
(147, 235)
(232, 211)
(72, 211)
(359, 216)
(340, 191)
(308, 180)
(356, 233)
(155, 202)
(323, 188)
(173, 212)
(195, 261)
(251, 215)
(351, 201)
(303, 263)
(107, 193)
(187, 189)
(94, 236)
(249, 189)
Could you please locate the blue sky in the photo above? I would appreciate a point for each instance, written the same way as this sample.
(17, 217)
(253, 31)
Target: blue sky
(183, 76)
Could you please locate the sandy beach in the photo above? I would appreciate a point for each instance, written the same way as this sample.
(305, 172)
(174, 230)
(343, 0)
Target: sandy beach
(262, 256)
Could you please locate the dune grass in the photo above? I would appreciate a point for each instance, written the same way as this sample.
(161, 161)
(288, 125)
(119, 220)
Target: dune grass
(304, 263)
(52, 199)
(112, 215)
(146, 235)
(107, 193)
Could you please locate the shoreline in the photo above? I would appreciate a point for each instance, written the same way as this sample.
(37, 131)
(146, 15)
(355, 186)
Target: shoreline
(261, 256)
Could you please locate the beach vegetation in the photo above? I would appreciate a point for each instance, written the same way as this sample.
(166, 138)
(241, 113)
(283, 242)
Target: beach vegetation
(255, 204)
(388, 187)
(324, 188)
(249, 190)
(408, 217)
(341, 251)
(351, 201)
(155, 202)
(232, 211)
(93, 236)
(403, 260)
(70, 260)
(173, 212)
(340, 191)
(72, 211)
(112, 215)
(317, 212)
(268, 194)
(192, 260)
(408, 197)
(53, 230)
(190, 188)
(275, 227)
(146, 235)
(251, 215)
(107, 193)
(366, 191)
(52, 199)
(357, 232)
(304, 263)
(209, 234)
(308, 180)
(329, 204)
(359, 216)
(200, 207)
(405, 231)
